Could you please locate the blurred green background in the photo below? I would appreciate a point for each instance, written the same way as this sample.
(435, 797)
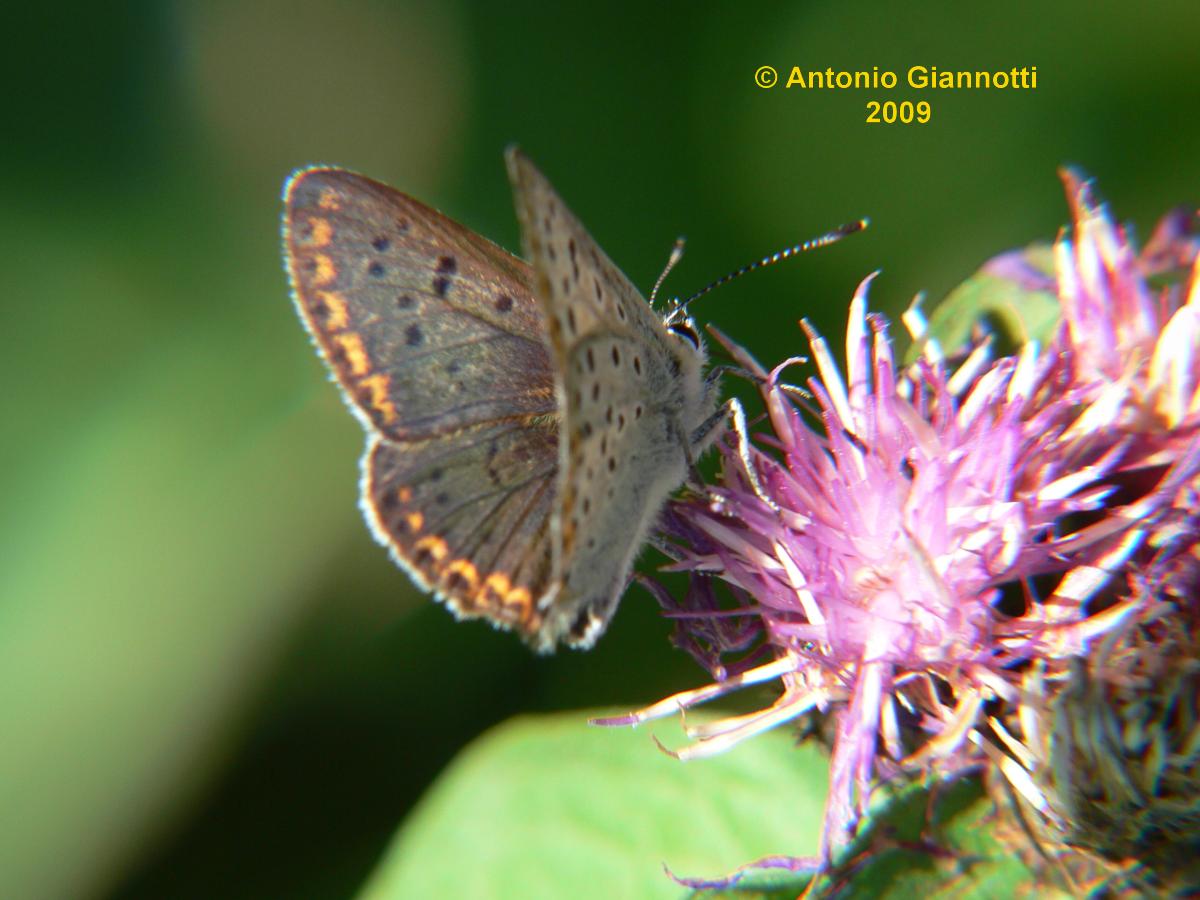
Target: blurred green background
(212, 682)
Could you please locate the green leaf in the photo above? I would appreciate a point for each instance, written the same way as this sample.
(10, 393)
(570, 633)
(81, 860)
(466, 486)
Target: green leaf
(930, 841)
(548, 806)
(935, 842)
(1012, 295)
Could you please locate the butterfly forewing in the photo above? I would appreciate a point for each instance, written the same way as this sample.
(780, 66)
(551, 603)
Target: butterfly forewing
(438, 344)
(625, 396)
(409, 306)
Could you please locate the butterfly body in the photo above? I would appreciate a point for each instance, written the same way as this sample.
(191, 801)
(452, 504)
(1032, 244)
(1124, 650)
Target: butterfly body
(526, 420)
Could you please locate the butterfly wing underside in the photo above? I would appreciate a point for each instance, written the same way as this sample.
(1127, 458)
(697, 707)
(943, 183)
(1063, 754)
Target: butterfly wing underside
(437, 342)
(620, 386)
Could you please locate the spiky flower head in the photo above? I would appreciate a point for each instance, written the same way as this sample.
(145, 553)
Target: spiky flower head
(1132, 347)
(875, 536)
(1109, 760)
(1107, 753)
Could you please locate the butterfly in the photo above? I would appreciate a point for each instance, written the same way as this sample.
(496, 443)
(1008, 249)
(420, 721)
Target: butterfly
(526, 420)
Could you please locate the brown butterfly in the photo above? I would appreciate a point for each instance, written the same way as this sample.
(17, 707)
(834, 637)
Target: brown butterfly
(525, 421)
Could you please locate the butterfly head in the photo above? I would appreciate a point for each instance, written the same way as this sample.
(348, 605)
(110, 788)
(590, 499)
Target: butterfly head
(690, 356)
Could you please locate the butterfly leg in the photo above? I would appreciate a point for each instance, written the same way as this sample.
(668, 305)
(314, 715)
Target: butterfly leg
(731, 415)
(741, 436)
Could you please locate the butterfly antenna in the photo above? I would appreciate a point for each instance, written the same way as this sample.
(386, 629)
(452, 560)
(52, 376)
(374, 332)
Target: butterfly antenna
(830, 237)
(675, 257)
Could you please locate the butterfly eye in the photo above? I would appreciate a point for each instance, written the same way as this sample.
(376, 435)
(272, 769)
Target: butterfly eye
(685, 330)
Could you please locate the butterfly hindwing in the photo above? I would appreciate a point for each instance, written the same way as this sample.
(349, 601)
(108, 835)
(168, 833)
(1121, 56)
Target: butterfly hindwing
(469, 517)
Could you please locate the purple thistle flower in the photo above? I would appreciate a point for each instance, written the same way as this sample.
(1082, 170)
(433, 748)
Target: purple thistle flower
(869, 553)
(1135, 351)
(1107, 751)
